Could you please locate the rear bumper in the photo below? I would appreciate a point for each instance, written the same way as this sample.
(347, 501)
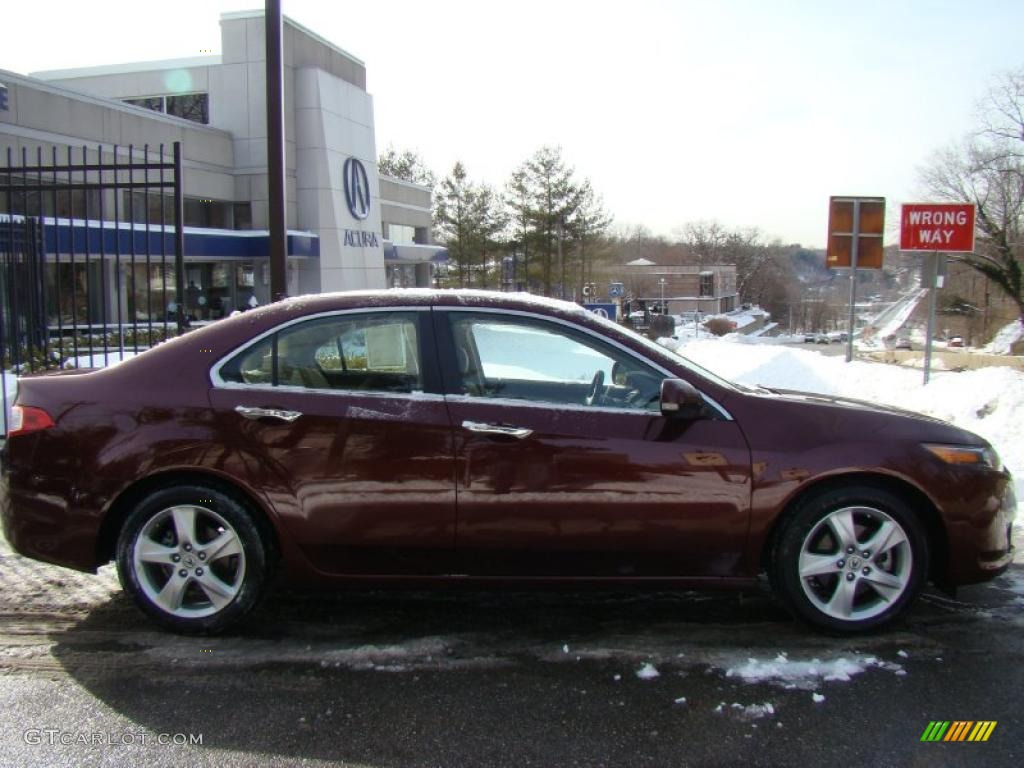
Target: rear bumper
(40, 525)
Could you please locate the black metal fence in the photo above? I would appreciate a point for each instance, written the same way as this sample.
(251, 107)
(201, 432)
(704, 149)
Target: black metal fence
(91, 257)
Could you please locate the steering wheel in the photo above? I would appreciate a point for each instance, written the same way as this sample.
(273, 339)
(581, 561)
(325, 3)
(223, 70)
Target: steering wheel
(595, 388)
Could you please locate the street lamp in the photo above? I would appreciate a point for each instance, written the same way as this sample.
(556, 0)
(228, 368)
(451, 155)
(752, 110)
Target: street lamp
(662, 283)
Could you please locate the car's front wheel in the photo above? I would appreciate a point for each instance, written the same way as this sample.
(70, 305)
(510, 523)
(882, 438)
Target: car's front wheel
(850, 559)
(192, 558)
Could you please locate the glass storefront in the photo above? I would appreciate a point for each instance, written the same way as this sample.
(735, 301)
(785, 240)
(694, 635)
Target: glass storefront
(79, 292)
(216, 289)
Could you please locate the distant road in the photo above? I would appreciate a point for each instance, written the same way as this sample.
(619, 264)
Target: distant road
(890, 320)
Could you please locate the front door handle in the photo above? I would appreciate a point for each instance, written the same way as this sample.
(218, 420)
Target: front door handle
(497, 429)
(267, 413)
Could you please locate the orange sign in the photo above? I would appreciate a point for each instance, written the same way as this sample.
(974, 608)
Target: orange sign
(869, 228)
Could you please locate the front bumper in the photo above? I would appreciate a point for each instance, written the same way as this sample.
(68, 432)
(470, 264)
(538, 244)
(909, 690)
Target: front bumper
(982, 548)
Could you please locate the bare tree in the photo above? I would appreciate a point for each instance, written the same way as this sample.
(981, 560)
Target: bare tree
(1001, 111)
(707, 240)
(991, 176)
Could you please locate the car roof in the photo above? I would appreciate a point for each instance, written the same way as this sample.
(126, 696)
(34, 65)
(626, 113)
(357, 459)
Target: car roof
(428, 297)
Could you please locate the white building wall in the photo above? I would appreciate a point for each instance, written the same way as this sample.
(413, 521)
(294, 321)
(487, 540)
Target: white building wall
(328, 118)
(334, 121)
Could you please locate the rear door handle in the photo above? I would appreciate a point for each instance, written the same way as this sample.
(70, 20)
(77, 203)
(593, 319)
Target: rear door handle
(497, 429)
(267, 413)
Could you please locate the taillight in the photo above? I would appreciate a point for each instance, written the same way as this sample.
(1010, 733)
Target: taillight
(28, 418)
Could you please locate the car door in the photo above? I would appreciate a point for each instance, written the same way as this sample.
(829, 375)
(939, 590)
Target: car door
(566, 466)
(339, 420)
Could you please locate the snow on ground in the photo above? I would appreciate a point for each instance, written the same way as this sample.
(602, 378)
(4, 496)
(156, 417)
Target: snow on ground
(986, 401)
(806, 674)
(1008, 335)
(747, 712)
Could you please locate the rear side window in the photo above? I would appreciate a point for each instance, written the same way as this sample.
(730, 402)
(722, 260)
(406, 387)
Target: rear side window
(376, 351)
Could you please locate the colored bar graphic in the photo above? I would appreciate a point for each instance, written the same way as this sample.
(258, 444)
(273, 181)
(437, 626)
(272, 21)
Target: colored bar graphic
(982, 730)
(958, 730)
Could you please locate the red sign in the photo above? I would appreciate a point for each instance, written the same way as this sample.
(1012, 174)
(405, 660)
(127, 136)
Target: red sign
(947, 227)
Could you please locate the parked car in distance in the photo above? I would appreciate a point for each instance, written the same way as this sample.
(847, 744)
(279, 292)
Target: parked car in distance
(955, 341)
(821, 338)
(903, 343)
(427, 437)
(809, 338)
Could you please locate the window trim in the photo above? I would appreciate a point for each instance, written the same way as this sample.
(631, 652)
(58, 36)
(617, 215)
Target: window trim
(572, 326)
(217, 382)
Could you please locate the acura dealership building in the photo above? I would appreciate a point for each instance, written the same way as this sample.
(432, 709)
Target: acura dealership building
(349, 226)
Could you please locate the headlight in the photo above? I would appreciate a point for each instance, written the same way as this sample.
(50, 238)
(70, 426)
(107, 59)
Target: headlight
(969, 455)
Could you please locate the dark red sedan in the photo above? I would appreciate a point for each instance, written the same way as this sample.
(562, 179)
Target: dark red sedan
(409, 437)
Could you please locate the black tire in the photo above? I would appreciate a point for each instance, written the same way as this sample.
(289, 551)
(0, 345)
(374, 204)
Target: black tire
(853, 593)
(235, 576)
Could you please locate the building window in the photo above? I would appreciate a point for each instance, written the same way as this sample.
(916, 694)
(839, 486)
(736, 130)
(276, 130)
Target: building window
(50, 201)
(188, 106)
(399, 234)
(243, 215)
(707, 283)
(155, 103)
(143, 208)
(201, 212)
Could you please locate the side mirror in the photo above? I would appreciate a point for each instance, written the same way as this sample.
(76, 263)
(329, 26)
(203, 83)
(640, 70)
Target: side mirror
(680, 398)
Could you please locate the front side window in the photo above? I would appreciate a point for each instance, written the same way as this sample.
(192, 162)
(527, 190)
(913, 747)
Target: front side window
(525, 359)
(376, 352)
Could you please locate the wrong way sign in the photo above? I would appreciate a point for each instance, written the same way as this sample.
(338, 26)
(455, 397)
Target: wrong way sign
(946, 227)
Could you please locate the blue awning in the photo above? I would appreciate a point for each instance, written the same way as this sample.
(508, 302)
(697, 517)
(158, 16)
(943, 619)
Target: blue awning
(60, 235)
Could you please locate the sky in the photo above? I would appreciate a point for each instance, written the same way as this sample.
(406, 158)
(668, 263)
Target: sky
(748, 113)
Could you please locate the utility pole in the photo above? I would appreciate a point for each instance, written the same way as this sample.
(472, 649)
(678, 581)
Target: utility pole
(561, 261)
(933, 279)
(853, 278)
(275, 150)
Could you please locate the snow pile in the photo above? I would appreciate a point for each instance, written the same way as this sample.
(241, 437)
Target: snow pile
(806, 675)
(987, 401)
(648, 672)
(1008, 335)
(758, 337)
(748, 712)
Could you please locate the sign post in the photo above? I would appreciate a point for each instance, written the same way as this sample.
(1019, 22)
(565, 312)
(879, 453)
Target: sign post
(937, 229)
(855, 229)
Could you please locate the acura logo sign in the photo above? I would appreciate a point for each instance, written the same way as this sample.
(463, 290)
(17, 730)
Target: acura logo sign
(357, 189)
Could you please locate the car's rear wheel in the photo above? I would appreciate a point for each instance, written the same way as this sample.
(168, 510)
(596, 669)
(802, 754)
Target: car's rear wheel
(192, 558)
(850, 559)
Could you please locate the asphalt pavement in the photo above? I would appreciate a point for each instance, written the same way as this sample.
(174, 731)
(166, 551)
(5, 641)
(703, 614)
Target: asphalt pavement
(514, 678)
